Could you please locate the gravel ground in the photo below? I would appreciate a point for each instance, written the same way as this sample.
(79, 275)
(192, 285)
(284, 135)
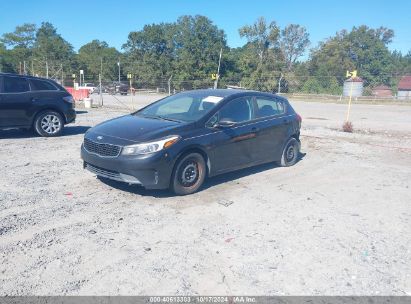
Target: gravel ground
(337, 223)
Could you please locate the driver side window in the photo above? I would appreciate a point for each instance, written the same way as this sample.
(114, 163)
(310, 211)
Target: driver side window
(237, 110)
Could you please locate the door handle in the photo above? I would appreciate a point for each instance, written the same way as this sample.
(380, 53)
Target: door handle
(255, 130)
(286, 121)
(34, 99)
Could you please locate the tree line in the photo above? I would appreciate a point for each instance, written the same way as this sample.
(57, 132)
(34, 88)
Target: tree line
(187, 52)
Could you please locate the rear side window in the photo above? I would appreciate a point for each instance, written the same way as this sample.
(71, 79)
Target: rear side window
(269, 107)
(238, 110)
(41, 85)
(15, 85)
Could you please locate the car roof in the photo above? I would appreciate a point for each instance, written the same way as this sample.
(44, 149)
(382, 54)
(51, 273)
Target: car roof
(26, 76)
(218, 92)
(229, 92)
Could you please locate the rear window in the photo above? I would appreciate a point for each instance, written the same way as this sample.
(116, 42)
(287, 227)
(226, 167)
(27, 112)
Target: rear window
(15, 85)
(41, 85)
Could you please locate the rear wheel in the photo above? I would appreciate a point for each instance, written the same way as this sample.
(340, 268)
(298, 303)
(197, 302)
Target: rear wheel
(290, 153)
(189, 174)
(48, 124)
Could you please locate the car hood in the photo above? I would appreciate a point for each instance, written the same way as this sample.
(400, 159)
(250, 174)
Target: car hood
(131, 129)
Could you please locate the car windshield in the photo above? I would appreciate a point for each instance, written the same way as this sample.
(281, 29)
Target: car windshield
(184, 107)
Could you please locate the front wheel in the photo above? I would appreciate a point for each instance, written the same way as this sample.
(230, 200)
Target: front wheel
(290, 153)
(189, 174)
(48, 124)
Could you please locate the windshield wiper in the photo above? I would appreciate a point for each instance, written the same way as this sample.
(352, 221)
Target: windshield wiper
(149, 116)
(169, 119)
(159, 117)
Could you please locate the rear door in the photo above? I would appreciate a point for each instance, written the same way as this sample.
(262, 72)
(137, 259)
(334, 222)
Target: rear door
(273, 124)
(44, 93)
(15, 102)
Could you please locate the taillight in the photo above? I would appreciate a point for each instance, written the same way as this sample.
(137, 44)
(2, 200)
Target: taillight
(300, 119)
(68, 99)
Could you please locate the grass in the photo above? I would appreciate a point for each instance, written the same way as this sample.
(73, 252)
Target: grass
(348, 127)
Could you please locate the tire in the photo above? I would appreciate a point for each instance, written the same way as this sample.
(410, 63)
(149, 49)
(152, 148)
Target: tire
(49, 124)
(188, 174)
(290, 153)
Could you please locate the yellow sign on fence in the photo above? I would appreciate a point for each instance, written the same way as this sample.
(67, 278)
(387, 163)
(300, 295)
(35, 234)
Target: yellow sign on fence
(352, 74)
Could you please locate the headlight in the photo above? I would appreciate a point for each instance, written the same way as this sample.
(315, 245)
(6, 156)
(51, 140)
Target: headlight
(151, 147)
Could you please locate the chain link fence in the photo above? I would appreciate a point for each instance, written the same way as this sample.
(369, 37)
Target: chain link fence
(297, 87)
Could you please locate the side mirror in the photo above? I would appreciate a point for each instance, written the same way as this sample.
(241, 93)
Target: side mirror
(224, 123)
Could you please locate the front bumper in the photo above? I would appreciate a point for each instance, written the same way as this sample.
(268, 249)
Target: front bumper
(151, 171)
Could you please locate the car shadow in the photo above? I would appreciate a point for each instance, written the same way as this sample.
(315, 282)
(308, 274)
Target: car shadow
(209, 182)
(23, 133)
(234, 175)
(136, 189)
(81, 112)
(75, 130)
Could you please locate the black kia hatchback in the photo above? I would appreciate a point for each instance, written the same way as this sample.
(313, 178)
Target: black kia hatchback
(178, 141)
(28, 102)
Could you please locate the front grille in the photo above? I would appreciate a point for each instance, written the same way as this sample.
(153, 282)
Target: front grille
(103, 172)
(111, 174)
(105, 150)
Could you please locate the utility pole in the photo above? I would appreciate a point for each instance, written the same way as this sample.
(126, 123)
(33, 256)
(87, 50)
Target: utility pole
(81, 75)
(62, 75)
(118, 63)
(24, 67)
(130, 78)
(101, 75)
(47, 69)
(169, 85)
(218, 70)
(32, 68)
(279, 83)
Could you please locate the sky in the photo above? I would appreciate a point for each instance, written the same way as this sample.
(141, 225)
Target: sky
(79, 22)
